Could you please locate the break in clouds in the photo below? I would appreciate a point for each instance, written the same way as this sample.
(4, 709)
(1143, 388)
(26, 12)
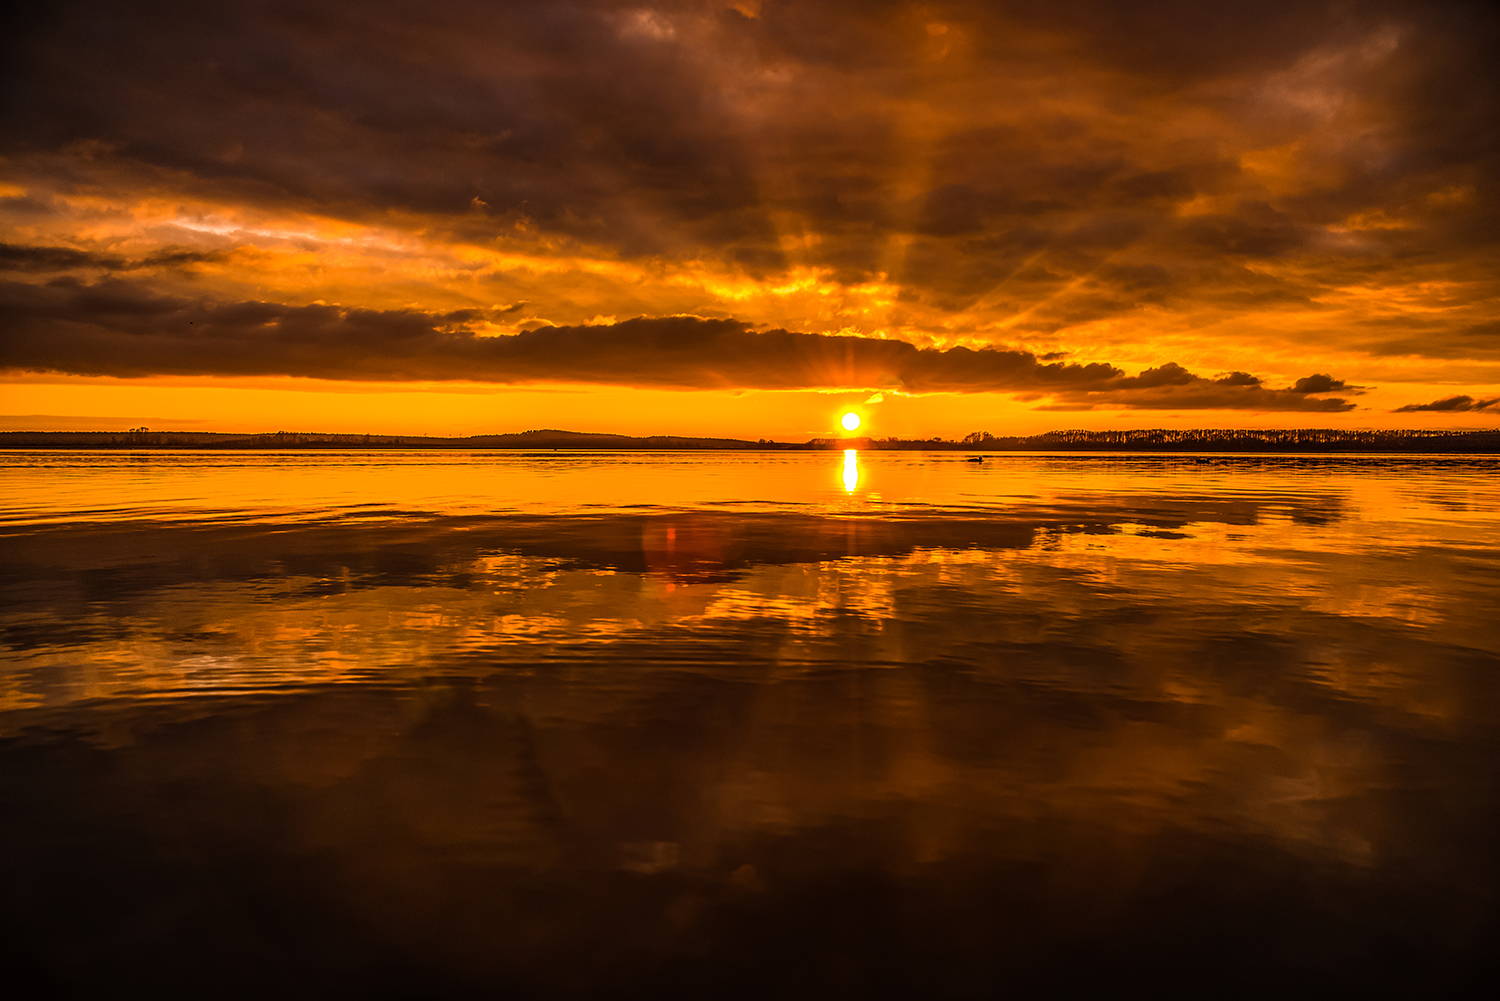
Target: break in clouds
(1283, 179)
(119, 328)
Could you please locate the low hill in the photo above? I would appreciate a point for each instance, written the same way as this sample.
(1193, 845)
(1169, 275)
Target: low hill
(1303, 440)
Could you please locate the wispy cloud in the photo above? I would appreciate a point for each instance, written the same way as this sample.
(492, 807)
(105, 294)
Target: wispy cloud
(1453, 405)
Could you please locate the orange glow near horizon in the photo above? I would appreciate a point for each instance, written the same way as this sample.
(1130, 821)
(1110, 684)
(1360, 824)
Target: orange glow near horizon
(263, 405)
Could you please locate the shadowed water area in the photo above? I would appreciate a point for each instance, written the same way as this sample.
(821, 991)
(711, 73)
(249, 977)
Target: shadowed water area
(557, 725)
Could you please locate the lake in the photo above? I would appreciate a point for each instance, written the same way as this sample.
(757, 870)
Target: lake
(760, 725)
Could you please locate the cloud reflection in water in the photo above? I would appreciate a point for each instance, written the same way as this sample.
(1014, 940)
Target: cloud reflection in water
(1017, 729)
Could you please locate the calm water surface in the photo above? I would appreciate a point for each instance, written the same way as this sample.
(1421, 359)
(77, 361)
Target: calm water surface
(823, 725)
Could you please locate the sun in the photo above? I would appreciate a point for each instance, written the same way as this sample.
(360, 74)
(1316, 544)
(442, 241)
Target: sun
(850, 421)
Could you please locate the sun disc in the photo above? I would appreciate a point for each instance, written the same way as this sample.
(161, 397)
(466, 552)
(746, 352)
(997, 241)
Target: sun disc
(851, 421)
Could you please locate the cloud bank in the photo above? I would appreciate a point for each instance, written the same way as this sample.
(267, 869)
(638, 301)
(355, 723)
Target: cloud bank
(120, 328)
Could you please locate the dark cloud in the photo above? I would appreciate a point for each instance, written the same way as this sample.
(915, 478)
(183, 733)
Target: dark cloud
(1453, 405)
(15, 257)
(19, 258)
(120, 328)
(1059, 161)
(1172, 387)
(1320, 383)
(1255, 229)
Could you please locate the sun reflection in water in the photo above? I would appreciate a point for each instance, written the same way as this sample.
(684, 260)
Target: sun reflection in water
(851, 469)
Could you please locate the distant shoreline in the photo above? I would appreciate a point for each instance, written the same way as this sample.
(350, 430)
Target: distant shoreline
(1291, 441)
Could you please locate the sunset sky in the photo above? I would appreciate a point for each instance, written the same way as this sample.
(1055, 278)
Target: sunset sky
(746, 218)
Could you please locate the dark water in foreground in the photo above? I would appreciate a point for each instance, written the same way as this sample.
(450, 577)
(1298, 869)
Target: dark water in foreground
(712, 725)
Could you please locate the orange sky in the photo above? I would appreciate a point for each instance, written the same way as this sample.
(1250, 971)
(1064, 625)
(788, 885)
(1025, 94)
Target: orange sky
(738, 219)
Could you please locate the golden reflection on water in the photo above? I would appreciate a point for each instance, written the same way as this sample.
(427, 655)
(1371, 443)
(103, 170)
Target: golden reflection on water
(1087, 675)
(112, 608)
(38, 487)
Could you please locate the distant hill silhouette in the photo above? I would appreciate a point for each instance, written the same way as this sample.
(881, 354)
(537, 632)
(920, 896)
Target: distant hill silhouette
(1303, 440)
